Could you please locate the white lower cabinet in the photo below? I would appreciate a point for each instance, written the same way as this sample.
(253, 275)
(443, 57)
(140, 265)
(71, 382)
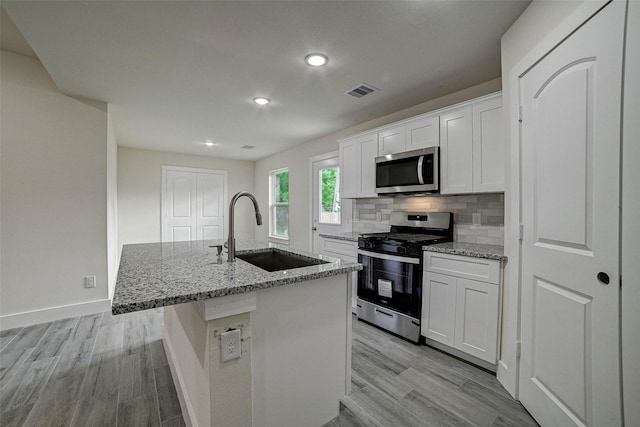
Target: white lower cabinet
(348, 251)
(460, 309)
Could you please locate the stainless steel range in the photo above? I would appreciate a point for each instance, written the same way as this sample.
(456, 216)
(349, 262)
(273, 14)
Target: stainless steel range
(390, 284)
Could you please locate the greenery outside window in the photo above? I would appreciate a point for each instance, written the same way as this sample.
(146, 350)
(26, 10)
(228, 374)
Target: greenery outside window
(279, 204)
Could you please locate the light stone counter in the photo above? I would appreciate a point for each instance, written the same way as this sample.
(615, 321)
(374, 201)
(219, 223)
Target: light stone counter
(162, 274)
(295, 341)
(475, 250)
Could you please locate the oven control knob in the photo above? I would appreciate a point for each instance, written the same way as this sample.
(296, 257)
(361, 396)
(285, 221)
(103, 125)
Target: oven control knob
(368, 245)
(402, 250)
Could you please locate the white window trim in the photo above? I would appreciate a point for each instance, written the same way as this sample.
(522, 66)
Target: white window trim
(272, 205)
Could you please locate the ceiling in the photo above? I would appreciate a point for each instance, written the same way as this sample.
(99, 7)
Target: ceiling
(177, 73)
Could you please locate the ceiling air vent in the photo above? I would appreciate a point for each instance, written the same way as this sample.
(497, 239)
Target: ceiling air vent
(361, 90)
(248, 147)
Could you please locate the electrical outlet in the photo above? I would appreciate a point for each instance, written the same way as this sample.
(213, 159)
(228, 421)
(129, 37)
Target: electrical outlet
(90, 281)
(230, 347)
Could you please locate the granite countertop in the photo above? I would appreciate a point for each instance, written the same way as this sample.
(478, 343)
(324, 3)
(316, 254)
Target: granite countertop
(476, 250)
(350, 236)
(161, 274)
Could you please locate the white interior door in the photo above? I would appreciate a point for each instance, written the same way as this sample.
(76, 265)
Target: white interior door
(193, 202)
(329, 212)
(570, 372)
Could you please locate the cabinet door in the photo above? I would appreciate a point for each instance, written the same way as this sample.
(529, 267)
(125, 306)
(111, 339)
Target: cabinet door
(438, 308)
(391, 141)
(488, 146)
(423, 133)
(368, 153)
(349, 169)
(456, 152)
(476, 330)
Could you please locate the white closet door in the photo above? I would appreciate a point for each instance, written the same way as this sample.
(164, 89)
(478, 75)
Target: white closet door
(570, 370)
(210, 206)
(193, 204)
(180, 206)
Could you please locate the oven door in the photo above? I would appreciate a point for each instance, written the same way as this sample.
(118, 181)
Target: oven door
(391, 281)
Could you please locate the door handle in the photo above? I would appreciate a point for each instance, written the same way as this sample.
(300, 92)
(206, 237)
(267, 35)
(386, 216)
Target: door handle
(313, 229)
(603, 278)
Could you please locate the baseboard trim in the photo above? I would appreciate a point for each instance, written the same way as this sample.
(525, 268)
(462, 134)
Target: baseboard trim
(188, 413)
(51, 314)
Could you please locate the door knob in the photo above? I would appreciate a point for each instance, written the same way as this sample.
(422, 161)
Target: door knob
(603, 278)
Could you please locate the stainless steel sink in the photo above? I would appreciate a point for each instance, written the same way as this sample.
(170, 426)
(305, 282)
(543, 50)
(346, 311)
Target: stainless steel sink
(275, 260)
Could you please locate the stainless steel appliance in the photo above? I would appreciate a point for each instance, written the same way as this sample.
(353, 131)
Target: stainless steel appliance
(390, 283)
(409, 172)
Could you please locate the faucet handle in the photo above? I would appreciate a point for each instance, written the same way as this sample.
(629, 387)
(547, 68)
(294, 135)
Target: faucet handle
(219, 248)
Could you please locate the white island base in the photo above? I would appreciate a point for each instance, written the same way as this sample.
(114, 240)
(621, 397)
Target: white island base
(296, 355)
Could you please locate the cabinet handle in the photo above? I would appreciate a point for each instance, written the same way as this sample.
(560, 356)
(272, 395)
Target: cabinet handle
(603, 278)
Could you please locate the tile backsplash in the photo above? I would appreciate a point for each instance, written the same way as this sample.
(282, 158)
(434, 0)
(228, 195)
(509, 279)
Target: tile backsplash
(373, 214)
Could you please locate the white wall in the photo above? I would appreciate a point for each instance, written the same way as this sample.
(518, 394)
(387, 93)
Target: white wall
(54, 197)
(297, 160)
(140, 191)
(113, 250)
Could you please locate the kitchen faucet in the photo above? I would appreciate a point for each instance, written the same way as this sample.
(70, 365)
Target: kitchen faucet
(231, 242)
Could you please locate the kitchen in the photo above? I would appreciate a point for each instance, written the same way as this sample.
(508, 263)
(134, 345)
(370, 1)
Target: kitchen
(136, 189)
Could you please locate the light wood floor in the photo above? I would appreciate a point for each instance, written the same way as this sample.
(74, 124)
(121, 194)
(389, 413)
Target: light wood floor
(103, 370)
(96, 370)
(396, 383)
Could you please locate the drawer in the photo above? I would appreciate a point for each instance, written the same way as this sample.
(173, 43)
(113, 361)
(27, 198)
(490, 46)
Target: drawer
(485, 270)
(341, 249)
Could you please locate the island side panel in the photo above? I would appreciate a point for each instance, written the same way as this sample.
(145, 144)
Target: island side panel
(185, 338)
(301, 343)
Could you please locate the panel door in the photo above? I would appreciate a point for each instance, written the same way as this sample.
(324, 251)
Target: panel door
(180, 206)
(488, 146)
(423, 133)
(193, 204)
(456, 161)
(391, 141)
(438, 308)
(476, 331)
(570, 130)
(210, 206)
(368, 153)
(349, 169)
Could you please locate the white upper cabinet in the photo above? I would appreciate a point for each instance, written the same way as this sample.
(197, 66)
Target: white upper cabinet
(472, 148)
(488, 146)
(357, 166)
(423, 133)
(413, 135)
(456, 154)
(391, 140)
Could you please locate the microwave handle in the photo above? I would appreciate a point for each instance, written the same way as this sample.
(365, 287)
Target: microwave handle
(420, 176)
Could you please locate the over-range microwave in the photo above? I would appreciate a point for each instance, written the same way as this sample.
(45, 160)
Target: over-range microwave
(409, 172)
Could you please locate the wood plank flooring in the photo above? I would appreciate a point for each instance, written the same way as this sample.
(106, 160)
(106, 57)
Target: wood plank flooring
(398, 384)
(104, 370)
(95, 370)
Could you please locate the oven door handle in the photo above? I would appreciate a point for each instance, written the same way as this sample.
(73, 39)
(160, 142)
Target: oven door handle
(389, 257)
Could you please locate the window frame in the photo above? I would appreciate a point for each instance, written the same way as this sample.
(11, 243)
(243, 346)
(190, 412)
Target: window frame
(273, 205)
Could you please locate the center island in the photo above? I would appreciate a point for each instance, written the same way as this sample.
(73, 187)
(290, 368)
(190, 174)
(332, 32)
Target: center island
(295, 330)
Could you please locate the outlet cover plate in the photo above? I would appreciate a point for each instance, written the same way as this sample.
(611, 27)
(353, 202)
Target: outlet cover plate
(230, 345)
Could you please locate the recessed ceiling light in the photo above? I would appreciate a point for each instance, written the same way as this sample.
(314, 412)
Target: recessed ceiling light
(261, 100)
(209, 143)
(316, 59)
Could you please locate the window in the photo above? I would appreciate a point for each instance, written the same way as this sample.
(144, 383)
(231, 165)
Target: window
(279, 203)
(329, 196)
